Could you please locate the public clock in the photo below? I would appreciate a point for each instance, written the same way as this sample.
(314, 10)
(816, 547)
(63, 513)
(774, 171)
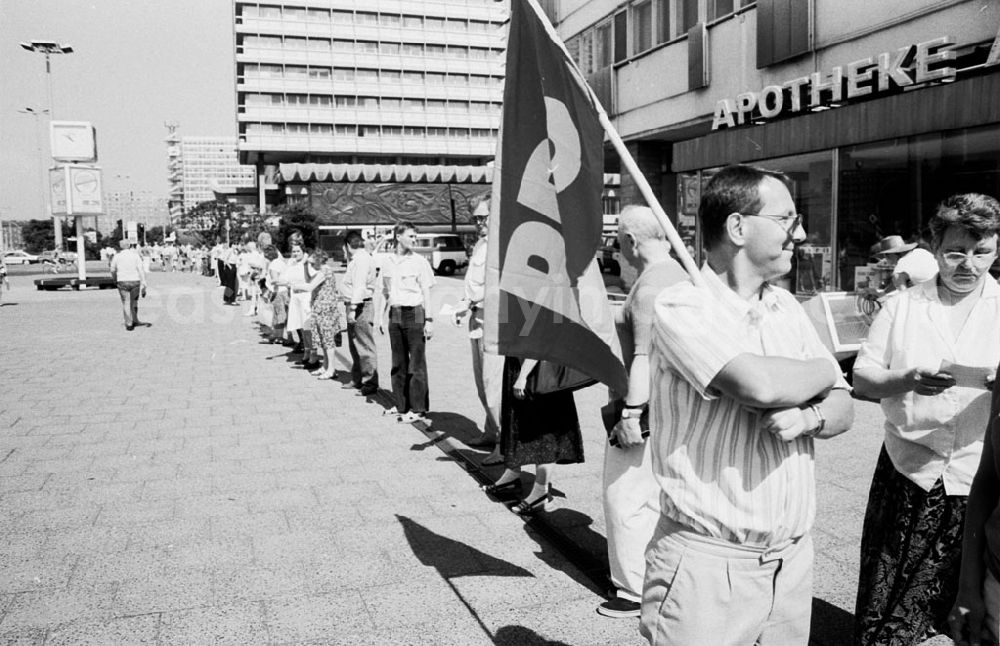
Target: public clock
(73, 141)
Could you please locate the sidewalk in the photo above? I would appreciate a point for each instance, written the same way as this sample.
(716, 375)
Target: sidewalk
(184, 484)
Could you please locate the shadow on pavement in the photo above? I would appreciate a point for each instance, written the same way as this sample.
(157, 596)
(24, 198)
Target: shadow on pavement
(572, 547)
(521, 636)
(831, 626)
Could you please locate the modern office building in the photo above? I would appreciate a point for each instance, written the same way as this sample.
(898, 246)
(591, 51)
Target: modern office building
(876, 110)
(209, 164)
(144, 207)
(382, 82)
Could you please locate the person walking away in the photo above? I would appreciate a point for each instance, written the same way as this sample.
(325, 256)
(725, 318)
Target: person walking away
(407, 281)
(911, 542)
(129, 273)
(4, 282)
(740, 386)
(487, 369)
(358, 290)
(631, 493)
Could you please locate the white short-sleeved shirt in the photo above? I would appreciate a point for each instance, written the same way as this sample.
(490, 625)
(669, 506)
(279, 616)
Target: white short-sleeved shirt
(941, 436)
(404, 277)
(720, 474)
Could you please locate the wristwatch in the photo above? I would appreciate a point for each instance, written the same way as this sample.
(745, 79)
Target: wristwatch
(633, 412)
(820, 422)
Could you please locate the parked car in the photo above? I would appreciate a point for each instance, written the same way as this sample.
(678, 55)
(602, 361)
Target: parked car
(445, 252)
(609, 255)
(20, 257)
(62, 257)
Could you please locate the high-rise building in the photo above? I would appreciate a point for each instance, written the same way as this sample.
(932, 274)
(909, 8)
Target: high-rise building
(175, 176)
(375, 82)
(208, 164)
(133, 206)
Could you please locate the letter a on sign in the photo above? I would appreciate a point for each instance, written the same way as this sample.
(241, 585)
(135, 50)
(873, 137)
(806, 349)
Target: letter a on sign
(545, 298)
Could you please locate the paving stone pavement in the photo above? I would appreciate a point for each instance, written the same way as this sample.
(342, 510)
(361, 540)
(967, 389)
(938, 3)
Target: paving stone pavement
(185, 484)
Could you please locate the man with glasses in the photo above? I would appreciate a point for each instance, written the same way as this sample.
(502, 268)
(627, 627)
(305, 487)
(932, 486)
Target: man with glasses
(740, 387)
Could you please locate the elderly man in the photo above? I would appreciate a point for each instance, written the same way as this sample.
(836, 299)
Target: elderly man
(741, 387)
(129, 274)
(487, 369)
(631, 494)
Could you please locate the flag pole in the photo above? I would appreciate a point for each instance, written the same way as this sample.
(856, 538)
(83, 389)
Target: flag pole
(626, 157)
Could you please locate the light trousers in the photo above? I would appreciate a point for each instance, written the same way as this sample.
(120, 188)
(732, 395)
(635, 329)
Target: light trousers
(700, 590)
(487, 369)
(631, 511)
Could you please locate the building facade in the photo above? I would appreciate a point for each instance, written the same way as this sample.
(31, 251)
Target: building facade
(382, 82)
(876, 111)
(210, 164)
(144, 207)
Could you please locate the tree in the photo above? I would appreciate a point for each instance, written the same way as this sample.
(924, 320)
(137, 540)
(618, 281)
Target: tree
(296, 216)
(39, 235)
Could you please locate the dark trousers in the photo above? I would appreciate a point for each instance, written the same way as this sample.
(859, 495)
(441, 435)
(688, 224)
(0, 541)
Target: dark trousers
(228, 277)
(361, 343)
(129, 292)
(409, 364)
(218, 270)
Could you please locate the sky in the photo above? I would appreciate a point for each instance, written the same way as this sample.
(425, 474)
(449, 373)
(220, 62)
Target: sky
(136, 64)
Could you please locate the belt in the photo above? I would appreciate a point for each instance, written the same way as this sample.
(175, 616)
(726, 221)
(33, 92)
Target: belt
(405, 308)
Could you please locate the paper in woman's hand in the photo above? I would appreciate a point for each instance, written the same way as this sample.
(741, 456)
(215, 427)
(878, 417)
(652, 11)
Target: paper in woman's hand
(969, 376)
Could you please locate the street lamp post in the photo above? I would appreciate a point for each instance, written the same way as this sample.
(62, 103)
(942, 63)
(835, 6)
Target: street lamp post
(46, 212)
(48, 48)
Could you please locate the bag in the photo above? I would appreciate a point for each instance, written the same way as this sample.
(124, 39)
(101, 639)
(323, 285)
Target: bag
(265, 314)
(548, 377)
(612, 412)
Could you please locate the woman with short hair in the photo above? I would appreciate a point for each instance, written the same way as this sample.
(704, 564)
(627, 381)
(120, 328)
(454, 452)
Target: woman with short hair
(934, 424)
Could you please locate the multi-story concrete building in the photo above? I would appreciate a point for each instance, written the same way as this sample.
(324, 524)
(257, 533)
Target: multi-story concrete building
(876, 110)
(208, 164)
(144, 207)
(375, 82)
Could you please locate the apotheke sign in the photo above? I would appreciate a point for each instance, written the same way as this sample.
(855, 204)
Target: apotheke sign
(912, 65)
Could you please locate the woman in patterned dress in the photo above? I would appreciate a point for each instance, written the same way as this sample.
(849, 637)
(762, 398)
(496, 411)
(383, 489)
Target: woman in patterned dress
(327, 320)
(935, 419)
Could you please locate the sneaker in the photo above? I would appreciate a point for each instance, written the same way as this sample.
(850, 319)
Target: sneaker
(619, 608)
(411, 417)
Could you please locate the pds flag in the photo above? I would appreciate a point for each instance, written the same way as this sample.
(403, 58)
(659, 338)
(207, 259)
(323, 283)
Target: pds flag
(545, 297)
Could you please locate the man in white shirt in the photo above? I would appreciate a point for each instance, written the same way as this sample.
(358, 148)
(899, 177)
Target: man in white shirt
(487, 369)
(129, 273)
(407, 280)
(740, 386)
(357, 289)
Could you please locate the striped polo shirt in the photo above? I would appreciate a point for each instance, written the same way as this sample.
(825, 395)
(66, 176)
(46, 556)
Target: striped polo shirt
(720, 474)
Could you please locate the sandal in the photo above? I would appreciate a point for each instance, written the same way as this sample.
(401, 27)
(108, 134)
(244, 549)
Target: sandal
(505, 489)
(392, 412)
(528, 508)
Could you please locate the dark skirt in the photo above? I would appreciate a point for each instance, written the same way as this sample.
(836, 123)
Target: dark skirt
(911, 550)
(542, 429)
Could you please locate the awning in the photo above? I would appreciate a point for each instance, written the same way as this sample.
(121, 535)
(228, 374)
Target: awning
(401, 173)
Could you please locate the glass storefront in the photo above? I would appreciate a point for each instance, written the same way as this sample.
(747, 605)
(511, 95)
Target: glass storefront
(864, 193)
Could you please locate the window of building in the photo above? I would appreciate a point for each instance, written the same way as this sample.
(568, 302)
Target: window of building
(437, 132)
(270, 12)
(457, 51)
(388, 103)
(366, 47)
(318, 45)
(292, 42)
(343, 46)
(318, 15)
(321, 129)
(366, 18)
(271, 71)
(479, 106)
(322, 100)
(319, 72)
(458, 79)
(392, 131)
(688, 18)
(478, 53)
(389, 20)
(433, 24)
(479, 27)
(276, 99)
(296, 72)
(413, 77)
(368, 102)
(475, 80)
(412, 49)
(642, 26)
(413, 22)
(435, 78)
(434, 50)
(368, 131)
(346, 101)
(413, 105)
(297, 128)
(388, 49)
(436, 104)
(342, 17)
(346, 130)
(366, 76)
(461, 106)
(602, 45)
(390, 76)
(481, 133)
(719, 8)
(293, 14)
(413, 131)
(343, 74)
(457, 24)
(458, 133)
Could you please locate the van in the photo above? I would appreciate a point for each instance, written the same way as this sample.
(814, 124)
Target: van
(445, 252)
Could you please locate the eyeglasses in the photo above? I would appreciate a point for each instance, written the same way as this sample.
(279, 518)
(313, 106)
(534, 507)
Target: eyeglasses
(981, 259)
(796, 219)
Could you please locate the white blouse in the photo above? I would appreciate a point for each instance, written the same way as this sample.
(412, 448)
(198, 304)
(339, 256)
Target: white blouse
(941, 436)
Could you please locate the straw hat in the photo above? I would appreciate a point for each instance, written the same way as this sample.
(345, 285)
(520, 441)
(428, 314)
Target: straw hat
(891, 245)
